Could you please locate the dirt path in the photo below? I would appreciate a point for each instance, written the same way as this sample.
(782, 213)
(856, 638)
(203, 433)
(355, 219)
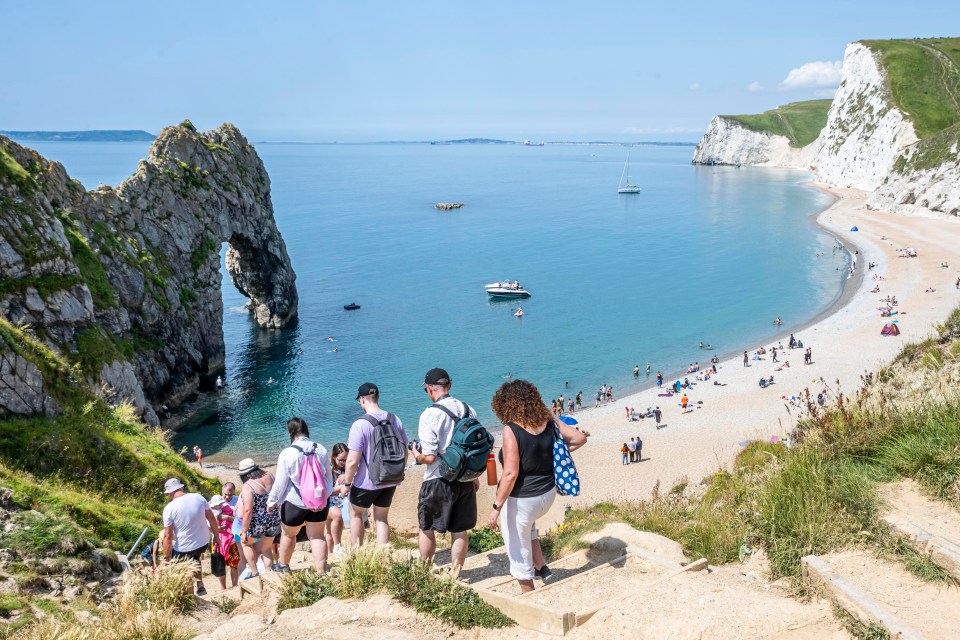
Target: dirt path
(906, 502)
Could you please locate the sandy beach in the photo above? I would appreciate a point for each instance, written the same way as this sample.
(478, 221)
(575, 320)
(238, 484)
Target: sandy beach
(845, 343)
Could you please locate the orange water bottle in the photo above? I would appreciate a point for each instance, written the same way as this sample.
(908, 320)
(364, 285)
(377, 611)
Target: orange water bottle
(491, 469)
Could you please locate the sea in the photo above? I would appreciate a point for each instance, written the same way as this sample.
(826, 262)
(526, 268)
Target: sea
(709, 254)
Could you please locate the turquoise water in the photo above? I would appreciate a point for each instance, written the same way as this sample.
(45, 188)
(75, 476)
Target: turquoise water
(703, 253)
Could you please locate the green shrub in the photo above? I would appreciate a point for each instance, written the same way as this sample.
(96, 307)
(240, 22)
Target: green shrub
(485, 539)
(42, 535)
(413, 583)
(303, 588)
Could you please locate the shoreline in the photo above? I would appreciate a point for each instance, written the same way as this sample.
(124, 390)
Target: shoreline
(845, 341)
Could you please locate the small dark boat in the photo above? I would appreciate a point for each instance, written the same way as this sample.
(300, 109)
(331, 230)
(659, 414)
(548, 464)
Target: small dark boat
(351, 307)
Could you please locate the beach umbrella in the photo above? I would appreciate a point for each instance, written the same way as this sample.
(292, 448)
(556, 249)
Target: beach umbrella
(568, 420)
(854, 228)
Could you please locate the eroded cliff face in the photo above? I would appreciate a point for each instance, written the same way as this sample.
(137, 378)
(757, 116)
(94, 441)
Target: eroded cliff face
(729, 142)
(867, 143)
(126, 281)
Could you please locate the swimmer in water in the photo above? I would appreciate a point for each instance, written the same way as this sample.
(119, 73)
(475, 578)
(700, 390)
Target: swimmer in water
(329, 338)
(270, 380)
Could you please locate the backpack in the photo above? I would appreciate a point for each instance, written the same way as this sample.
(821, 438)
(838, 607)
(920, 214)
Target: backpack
(466, 457)
(312, 487)
(388, 456)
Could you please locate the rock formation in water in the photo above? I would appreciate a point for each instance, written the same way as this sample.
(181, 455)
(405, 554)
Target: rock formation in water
(868, 142)
(126, 280)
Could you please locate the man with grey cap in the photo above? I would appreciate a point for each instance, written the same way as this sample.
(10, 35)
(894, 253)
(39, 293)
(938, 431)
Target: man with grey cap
(443, 505)
(189, 518)
(374, 469)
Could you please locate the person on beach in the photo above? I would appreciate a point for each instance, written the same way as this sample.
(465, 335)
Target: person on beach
(219, 386)
(365, 491)
(683, 402)
(198, 454)
(746, 359)
(624, 452)
(285, 494)
(570, 406)
(579, 399)
(657, 415)
(633, 450)
(773, 352)
(648, 368)
(527, 488)
(609, 393)
(599, 397)
(443, 505)
(639, 454)
(636, 371)
(659, 380)
(262, 525)
(188, 525)
(334, 528)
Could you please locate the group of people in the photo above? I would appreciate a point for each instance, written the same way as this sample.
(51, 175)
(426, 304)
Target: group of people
(632, 451)
(315, 492)
(556, 406)
(604, 394)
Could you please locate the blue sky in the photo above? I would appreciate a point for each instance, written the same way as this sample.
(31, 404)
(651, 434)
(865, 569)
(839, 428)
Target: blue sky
(371, 70)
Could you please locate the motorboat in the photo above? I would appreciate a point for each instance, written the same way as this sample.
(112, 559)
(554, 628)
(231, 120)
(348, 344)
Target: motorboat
(353, 306)
(507, 290)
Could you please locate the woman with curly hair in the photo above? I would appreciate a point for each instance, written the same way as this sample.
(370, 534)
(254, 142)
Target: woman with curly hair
(527, 488)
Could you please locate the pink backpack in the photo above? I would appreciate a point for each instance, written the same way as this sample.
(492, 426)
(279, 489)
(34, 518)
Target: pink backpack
(313, 486)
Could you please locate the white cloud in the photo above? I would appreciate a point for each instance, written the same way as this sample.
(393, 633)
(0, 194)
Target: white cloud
(695, 86)
(646, 130)
(754, 86)
(813, 74)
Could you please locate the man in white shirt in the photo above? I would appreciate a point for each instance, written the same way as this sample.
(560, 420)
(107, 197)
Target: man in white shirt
(187, 517)
(443, 505)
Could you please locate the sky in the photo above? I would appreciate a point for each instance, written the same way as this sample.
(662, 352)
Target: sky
(421, 70)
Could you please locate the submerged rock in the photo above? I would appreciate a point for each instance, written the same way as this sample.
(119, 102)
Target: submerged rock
(126, 280)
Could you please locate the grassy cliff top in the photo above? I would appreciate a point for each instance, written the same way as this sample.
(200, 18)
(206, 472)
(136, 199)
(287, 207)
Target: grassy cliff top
(799, 122)
(923, 77)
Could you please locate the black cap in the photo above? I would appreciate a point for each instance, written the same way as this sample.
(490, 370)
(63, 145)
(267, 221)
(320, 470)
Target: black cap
(367, 389)
(437, 376)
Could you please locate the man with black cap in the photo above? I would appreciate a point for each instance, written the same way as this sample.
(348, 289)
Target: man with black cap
(376, 426)
(444, 505)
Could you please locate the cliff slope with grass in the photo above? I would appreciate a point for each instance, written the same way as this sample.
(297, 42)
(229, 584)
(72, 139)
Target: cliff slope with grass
(893, 128)
(125, 282)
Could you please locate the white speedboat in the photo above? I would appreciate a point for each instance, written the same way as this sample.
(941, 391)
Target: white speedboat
(507, 290)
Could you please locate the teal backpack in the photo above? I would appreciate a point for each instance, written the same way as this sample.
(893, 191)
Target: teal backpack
(466, 457)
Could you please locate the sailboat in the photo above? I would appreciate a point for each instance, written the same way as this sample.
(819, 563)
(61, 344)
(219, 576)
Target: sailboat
(626, 187)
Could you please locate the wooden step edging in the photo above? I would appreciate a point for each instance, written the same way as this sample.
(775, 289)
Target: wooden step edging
(942, 552)
(819, 575)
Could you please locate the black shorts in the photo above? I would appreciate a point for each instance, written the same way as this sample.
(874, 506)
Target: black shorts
(447, 506)
(364, 498)
(196, 554)
(294, 516)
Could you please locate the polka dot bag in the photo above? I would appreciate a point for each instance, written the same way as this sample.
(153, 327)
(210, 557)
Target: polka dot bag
(564, 472)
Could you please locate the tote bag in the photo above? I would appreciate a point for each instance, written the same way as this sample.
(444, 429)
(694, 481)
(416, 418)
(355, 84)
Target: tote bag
(564, 471)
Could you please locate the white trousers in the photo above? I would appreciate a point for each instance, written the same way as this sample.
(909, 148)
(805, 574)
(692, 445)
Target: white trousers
(518, 523)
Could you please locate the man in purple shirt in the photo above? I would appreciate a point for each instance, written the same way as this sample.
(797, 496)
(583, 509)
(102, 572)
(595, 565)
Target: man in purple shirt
(355, 480)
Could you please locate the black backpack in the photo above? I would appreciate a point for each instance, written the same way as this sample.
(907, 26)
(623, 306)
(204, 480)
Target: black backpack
(388, 455)
(470, 445)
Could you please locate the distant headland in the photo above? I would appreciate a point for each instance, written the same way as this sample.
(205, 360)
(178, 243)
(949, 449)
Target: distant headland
(96, 135)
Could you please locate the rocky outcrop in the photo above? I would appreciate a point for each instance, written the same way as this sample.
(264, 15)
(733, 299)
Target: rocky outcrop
(729, 142)
(126, 280)
(868, 143)
(865, 133)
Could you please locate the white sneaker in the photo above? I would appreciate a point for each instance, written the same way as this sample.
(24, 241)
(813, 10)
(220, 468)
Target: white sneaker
(338, 552)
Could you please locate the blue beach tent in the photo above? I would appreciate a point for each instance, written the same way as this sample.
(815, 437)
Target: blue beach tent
(854, 229)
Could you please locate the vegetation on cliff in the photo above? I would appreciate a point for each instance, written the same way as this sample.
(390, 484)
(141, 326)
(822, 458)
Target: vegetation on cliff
(923, 78)
(87, 479)
(798, 122)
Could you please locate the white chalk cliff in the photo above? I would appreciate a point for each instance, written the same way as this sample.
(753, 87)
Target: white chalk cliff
(866, 144)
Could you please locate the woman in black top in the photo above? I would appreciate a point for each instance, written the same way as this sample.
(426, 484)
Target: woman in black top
(527, 488)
